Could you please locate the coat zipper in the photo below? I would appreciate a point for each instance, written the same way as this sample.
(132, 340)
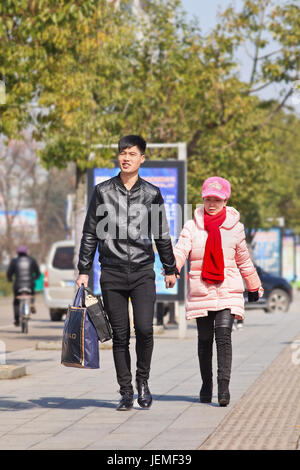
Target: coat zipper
(128, 247)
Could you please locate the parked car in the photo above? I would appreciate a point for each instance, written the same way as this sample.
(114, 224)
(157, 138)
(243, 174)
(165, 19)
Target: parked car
(278, 293)
(59, 278)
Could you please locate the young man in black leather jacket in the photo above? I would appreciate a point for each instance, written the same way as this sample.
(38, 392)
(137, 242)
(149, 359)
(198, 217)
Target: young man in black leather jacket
(123, 215)
(24, 270)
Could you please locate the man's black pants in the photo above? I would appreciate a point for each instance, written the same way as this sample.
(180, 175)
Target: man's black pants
(117, 287)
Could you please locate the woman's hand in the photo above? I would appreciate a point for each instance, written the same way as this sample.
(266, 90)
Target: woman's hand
(253, 296)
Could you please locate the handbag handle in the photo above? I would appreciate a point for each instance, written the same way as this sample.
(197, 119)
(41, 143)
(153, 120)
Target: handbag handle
(97, 296)
(88, 291)
(80, 297)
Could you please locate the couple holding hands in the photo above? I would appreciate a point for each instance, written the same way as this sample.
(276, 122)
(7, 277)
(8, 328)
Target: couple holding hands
(214, 242)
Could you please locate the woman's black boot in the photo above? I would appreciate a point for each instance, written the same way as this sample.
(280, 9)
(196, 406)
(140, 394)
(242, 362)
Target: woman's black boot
(223, 392)
(206, 392)
(224, 357)
(205, 362)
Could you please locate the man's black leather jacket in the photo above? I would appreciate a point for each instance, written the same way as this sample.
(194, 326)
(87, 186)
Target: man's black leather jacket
(121, 223)
(24, 270)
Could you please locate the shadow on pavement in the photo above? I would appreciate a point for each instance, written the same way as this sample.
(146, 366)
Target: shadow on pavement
(81, 403)
(186, 398)
(55, 402)
(72, 404)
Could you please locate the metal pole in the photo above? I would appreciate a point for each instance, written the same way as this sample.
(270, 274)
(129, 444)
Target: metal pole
(182, 155)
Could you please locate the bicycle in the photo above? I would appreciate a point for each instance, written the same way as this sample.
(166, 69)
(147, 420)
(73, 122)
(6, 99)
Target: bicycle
(25, 297)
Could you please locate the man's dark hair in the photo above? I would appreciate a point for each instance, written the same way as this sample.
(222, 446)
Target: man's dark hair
(131, 141)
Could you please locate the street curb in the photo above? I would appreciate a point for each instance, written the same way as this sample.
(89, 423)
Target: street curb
(48, 345)
(11, 371)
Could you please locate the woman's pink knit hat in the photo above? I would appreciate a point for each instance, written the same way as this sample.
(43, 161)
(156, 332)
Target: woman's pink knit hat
(216, 186)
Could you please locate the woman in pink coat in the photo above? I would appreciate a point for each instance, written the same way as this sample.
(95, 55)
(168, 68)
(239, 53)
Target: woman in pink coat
(214, 242)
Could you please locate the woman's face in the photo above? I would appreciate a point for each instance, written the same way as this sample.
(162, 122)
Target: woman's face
(213, 205)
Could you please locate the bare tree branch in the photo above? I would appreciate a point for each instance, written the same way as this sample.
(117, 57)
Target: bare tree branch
(265, 85)
(257, 41)
(257, 127)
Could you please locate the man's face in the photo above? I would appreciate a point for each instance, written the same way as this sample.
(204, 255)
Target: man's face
(130, 160)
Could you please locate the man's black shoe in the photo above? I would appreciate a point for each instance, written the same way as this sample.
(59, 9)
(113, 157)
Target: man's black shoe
(144, 394)
(126, 402)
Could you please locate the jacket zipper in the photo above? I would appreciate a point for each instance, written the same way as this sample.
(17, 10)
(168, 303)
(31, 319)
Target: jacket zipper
(128, 247)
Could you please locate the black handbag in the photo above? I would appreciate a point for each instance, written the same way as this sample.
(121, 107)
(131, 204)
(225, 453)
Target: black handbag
(98, 316)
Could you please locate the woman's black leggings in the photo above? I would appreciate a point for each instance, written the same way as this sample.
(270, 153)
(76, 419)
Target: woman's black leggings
(217, 323)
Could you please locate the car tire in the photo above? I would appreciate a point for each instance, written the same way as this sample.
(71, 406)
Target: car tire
(56, 314)
(278, 301)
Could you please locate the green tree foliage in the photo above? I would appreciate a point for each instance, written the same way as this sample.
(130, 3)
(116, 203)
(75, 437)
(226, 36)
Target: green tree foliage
(16, 64)
(193, 92)
(284, 195)
(96, 72)
(241, 147)
(74, 69)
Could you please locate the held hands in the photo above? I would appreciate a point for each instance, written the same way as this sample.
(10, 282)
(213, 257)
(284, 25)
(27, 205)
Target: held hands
(170, 280)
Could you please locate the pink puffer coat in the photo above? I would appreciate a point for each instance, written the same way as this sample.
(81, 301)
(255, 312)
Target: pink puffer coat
(201, 296)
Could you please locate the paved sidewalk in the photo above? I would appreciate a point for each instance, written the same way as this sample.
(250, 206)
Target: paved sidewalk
(55, 407)
(267, 417)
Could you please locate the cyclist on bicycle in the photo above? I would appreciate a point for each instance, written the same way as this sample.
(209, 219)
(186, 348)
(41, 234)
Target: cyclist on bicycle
(25, 270)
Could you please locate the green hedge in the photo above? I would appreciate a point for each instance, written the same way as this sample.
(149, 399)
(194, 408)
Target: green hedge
(6, 288)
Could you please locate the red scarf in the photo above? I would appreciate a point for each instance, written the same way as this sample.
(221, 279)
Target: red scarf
(213, 261)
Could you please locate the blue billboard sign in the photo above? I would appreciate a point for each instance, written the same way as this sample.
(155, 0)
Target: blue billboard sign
(267, 250)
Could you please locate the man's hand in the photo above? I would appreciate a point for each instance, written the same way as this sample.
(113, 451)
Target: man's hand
(170, 280)
(82, 279)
